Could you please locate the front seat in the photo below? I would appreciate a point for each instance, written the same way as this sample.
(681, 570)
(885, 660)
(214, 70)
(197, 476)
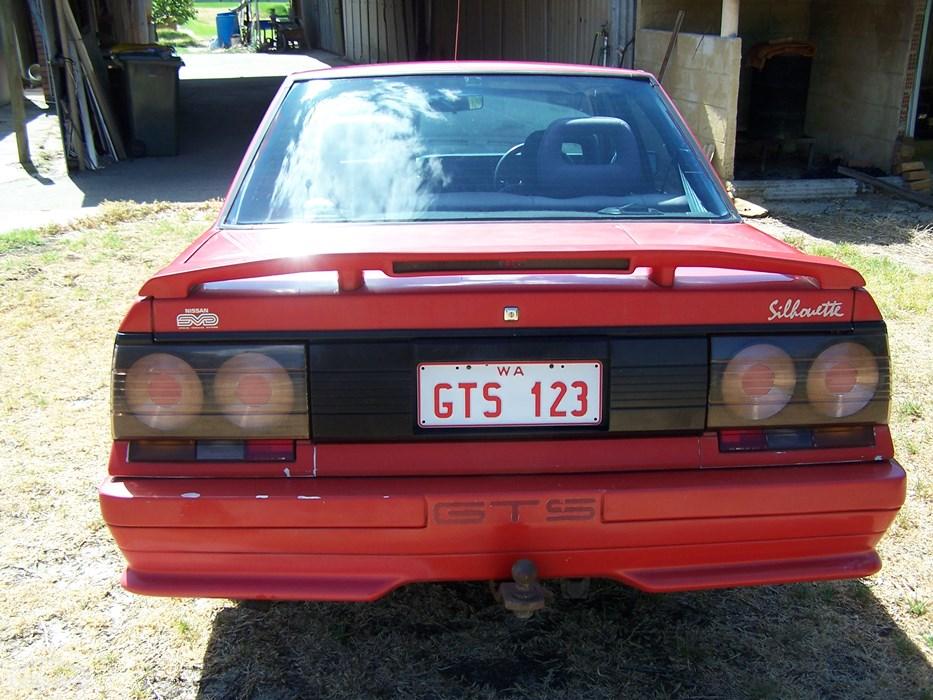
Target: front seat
(607, 162)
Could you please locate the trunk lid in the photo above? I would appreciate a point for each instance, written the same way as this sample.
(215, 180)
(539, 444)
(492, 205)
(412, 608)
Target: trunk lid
(462, 275)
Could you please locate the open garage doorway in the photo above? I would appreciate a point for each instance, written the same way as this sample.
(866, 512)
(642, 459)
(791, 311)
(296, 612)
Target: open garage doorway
(920, 119)
(205, 101)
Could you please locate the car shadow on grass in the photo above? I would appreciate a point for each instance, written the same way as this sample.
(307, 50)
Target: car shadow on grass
(453, 641)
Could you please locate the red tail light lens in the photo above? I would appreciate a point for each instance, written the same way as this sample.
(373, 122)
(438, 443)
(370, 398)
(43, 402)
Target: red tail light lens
(842, 380)
(758, 382)
(210, 392)
(163, 391)
(253, 391)
(798, 381)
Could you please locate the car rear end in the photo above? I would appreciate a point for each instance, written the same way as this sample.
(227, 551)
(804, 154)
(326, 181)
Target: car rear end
(675, 404)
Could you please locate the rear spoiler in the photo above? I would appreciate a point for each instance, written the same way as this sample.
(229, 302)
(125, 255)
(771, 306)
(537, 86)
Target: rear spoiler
(176, 282)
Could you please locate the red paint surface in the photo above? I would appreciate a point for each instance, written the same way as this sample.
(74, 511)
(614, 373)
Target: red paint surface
(351, 249)
(354, 521)
(339, 539)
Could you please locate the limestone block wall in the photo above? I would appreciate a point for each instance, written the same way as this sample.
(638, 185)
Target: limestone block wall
(858, 81)
(703, 80)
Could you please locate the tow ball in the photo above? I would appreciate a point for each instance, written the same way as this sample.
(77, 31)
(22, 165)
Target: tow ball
(524, 596)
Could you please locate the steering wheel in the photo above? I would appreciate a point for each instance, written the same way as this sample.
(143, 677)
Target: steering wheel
(514, 152)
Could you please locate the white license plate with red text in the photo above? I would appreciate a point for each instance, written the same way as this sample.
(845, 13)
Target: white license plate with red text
(483, 394)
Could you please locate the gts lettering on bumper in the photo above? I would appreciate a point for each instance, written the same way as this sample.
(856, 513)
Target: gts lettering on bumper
(529, 510)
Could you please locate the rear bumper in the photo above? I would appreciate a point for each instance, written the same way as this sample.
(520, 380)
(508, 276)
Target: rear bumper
(359, 538)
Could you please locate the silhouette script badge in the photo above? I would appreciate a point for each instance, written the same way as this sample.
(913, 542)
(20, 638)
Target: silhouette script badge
(791, 309)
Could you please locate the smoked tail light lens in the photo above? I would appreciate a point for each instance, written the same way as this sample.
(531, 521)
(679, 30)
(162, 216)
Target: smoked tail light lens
(210, 392)
(798, 381)
(163, 392)
(253, 391)
(758, 382)
(842, 380)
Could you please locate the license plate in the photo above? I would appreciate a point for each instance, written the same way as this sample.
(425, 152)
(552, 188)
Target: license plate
(483, 394)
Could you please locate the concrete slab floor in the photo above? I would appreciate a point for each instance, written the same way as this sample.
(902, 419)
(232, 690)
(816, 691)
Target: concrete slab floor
(222, 99)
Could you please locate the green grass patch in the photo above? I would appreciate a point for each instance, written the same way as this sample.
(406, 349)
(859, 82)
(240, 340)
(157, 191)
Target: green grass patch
(178, 38)
(917, 607)
(911, 409)
(202, 27)
(19, 238)
(898, 290)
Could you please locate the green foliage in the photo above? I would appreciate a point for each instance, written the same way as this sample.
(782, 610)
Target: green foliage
(19, 238)
(172, 11)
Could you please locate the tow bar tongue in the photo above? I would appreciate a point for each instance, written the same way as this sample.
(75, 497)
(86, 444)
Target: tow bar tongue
(524, 596)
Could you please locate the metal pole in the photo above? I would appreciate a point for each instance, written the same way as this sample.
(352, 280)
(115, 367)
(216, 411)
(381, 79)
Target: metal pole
(17, 102)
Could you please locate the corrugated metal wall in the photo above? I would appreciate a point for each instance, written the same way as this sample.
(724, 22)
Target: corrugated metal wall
(323, 24)
(376, 31)
(530, 30)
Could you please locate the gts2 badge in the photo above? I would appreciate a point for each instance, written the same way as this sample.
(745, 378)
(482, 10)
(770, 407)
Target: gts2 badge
(197, 318)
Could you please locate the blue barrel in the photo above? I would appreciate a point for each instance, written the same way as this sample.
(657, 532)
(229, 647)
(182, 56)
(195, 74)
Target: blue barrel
(227, 28)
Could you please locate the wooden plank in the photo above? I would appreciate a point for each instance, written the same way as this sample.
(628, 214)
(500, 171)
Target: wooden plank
(912, 175)
(90, 148)
(909, 167)
(919, 185)
(678, 23)
(749, 210)
(882, 185)
(100, 94)
(74, 132)
(15, 81)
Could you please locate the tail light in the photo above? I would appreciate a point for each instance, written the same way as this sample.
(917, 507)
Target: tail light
(210, 392)
(163, 392)
(842, 380)
(797, 381)
(253, 391)
(758, 382)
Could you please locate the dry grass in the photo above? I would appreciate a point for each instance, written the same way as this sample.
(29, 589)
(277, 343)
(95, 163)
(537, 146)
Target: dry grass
(67, 629)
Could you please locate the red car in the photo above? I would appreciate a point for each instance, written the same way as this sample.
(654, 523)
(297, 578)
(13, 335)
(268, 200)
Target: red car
(458, 317)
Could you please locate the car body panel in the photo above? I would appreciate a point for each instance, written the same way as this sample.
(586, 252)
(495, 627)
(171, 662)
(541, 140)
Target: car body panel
(350, 521)
(356, 540)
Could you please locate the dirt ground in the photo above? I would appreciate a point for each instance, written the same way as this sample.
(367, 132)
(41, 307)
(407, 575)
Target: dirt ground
(877, 224)
(67, 629)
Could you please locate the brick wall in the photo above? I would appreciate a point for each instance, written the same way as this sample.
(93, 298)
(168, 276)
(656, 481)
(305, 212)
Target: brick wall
(913, 61)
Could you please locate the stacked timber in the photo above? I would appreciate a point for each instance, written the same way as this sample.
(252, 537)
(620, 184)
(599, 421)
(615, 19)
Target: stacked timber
(915, 175)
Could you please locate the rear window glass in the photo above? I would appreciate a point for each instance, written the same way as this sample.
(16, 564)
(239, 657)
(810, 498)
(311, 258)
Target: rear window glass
(466, 147)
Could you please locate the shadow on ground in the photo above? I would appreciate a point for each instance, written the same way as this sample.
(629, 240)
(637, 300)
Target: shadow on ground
(879, 220)
(217, 119)
(831, 640)
(33, 111)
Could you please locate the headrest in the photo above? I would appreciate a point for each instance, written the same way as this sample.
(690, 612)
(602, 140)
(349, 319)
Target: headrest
(604, 158)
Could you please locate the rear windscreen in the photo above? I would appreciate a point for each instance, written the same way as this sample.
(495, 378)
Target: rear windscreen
(474, 147)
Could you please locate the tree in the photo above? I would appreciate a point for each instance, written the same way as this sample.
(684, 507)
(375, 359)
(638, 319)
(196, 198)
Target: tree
(173, 11)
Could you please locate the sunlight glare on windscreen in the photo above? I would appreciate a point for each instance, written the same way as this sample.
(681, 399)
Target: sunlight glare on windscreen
(357, 154)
